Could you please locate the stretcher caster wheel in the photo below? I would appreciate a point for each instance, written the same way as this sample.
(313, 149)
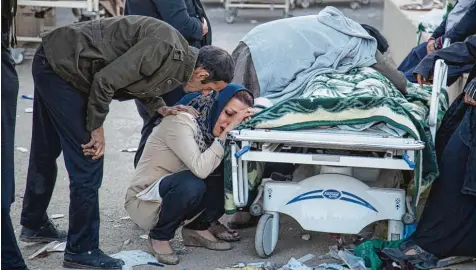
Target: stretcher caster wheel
(256, 209)
(264, 236)
(365, 2)
(408, 219)
(231, 15)
(354, 5)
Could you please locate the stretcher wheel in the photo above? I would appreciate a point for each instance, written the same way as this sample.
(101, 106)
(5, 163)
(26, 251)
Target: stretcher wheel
(231, 15)
(263, 238)
(408, 219)
(365, 2)
(256, 209)
(354, 5)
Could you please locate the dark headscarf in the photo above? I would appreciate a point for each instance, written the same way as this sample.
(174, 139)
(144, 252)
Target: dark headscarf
(210, 108)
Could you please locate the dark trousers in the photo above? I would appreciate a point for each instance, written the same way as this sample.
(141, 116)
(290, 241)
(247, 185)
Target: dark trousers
(11, 255)
(183, 197)
(448, 223)
(414, 58)
(59, 114)
(171, 98)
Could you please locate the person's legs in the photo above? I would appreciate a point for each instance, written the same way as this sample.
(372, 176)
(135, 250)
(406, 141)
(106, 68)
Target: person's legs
(412, 60)
(66, 109)
(42, 171)
(11, 255)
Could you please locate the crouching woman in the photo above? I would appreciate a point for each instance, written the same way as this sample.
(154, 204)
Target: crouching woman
(175, 183)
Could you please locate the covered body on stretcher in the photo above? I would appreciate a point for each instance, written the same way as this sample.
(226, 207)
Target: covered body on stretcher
(337, 199)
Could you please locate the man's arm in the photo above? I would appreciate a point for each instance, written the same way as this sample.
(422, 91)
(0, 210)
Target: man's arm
(440, 30)
(464, 28)
(141, 60)
(457, 54)
(174, 12)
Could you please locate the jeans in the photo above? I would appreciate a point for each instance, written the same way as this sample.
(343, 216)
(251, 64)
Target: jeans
(447, 226)
(417, 54)
(183, 197)
(59, 114)
(11, 255)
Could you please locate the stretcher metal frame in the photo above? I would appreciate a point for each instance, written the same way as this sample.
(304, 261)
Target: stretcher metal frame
(321, 196)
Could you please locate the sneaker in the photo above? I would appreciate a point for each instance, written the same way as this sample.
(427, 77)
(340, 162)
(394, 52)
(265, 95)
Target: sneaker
(45, 234)
(94, 259)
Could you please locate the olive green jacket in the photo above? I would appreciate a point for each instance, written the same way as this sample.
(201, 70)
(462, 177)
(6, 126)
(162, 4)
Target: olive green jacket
(120, 58)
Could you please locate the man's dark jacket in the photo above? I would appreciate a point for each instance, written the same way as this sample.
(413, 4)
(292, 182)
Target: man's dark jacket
(185, 15)
(120, 58)
(458, 54)
(464, 28)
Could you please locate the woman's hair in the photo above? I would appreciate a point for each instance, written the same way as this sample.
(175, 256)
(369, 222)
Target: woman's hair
(245, 97)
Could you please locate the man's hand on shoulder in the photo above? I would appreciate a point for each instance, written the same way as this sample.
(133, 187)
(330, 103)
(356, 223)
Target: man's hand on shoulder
(166, 111)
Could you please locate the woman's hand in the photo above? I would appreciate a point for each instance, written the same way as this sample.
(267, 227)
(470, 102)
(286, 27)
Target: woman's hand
(430, 46)
(238, 118)
(204, 27)
(469, 100)
(422, 80)
(96, 146)
(166, 111)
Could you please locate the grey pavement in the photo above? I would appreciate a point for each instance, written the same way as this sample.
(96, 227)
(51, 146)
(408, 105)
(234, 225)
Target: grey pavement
(122, 130)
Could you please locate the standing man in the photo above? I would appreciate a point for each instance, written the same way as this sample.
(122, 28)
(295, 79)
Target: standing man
(189, 18)
(77, 71)
(11, 255)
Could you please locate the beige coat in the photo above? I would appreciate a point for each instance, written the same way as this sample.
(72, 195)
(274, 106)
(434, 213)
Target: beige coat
(171, 148)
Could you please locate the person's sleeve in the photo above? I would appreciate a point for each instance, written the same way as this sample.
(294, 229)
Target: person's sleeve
(470, 89)
(181, 140)
(457, 54)
(141, 60)
(174, 12)
(440, 30)
(465, 27)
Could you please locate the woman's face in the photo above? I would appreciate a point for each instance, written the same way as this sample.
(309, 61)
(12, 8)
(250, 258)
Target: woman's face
(232, 107)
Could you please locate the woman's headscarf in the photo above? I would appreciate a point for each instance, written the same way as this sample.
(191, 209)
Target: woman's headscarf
(210, 108)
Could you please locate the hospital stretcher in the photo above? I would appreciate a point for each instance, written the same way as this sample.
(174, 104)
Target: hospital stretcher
(335, 200)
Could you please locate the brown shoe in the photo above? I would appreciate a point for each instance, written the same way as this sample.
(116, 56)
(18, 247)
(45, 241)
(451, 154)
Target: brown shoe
(170, 259)
(193, 239)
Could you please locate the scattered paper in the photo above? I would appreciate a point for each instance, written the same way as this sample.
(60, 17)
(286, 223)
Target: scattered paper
(144, 236)
(57, 216)
(352, 261)
(306, 258)
(54, 246)
(253, 21)
(133, 258)
(333, 266)
(306, 237)
(22, 149)
(127, 242)
(129, 150)
(125, 218)
(294, 264)
(29, 110)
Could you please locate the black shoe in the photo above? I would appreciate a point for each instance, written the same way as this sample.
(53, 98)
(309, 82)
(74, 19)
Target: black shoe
(46, 234)
(94, 259)
(418, 257)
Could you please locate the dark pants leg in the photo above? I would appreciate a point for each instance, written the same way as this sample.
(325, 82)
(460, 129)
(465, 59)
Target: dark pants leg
(447, 226)
(182, 198)
(59, 116)
(414, 58)
(11, 255)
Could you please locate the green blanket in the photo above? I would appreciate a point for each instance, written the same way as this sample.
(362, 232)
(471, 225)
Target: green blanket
(361, 99)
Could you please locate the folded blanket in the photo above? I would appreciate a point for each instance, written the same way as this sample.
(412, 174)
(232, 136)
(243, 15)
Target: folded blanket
(361, 98)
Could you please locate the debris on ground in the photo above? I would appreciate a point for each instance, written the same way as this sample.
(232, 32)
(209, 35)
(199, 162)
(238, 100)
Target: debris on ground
(54, 246)
(306, 237)
(57, 216)
(133, 258)
(29, 110)
(30, 97)
(22, 149)
(294, 264)
(354, 262)
(251, 266)
(144, 236)
(125, 218)
(129, 150)
(253, 21)
(127, 242)
(330, 266)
